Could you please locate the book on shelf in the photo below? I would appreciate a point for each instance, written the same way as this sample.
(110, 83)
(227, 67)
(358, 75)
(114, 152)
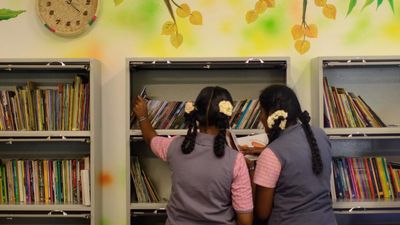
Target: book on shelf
(343, 109)
(143, 189)
(35, 108)
(48, 181)
(365, 178)
(170, 115)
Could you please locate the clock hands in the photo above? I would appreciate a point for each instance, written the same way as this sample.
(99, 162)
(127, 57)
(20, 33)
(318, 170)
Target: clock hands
(69, 2)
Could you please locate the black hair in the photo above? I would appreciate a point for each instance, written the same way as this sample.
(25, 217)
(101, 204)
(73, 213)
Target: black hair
(206, 114)
(280, 97)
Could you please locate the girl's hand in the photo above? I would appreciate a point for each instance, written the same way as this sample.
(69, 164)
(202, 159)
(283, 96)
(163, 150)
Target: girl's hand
(140, 108)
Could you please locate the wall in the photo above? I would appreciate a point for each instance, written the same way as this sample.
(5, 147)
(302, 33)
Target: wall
(133, 29)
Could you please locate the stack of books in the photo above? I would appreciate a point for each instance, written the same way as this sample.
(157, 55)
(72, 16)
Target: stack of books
(144, 190)
(344, 109)
(170, 115)
(365, 178)
(34, 108)
(45, 181)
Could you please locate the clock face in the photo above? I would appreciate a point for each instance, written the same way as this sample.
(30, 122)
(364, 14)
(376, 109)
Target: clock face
(67, 17)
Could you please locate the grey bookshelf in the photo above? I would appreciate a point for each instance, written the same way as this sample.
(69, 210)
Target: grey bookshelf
(37, 145)
(377, 80)
(181, 79)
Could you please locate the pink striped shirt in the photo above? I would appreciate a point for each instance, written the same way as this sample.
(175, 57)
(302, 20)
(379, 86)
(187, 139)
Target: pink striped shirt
(268, 169)
(242, 200)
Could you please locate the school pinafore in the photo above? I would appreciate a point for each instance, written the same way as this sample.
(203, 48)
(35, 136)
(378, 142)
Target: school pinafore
(301, 198)
(201, 184)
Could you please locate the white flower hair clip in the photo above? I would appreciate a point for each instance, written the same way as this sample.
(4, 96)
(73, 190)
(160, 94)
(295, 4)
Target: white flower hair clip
(225, 107)
(189, 107)
(274, 116)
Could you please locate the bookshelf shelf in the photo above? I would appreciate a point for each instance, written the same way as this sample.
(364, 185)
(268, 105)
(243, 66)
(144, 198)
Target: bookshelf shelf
(42, 89)
(181, 79)
(148, 206)
(45, 134)
(366, 204)
(45, 207)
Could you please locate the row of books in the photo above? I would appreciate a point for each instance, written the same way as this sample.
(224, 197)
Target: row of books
(344, 109)
(144, 190)
(365, 178)
(34, 108)
(45, 181)
(170, 115)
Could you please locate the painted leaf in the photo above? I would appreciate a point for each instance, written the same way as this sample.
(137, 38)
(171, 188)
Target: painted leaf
(6, 14)
(297, 32)
(251, 16)
(379, 3)
(168, 28)
(367, 3)
(196, 18)
(117, 2)
(270, 3)
(261, 6)
(352, 3)
(391, 5)
(329, 11)
(176, 40)
(320, 3)
(183, 10)
(302, 46)
(311, 31)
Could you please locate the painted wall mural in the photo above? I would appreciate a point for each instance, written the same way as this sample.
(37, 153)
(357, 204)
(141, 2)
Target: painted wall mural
(137, 28)
(6, 14)
(171, 28)
(301, 32)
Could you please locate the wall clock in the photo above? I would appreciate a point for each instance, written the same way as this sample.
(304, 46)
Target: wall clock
(67, 17)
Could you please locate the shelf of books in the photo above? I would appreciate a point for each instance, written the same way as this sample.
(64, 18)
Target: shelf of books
(357, 95)
(49, 141)
(366, 173)
(167, 84)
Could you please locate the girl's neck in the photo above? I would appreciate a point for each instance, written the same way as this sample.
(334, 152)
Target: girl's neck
(209, 130)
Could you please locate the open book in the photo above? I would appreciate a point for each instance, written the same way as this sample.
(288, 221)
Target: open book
(258, 141)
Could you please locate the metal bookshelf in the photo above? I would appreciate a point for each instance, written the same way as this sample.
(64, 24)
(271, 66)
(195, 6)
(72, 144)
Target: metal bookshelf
(54, 144)
(181, 79)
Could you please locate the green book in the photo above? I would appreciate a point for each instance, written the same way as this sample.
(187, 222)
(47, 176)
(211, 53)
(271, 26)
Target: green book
(15, 175)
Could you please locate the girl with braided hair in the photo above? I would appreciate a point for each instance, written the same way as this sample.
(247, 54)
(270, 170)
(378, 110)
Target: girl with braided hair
(292, 176)
(210, 182)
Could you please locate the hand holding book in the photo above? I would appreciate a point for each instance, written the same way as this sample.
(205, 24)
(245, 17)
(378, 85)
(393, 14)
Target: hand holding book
(140, 108)
(251, 146)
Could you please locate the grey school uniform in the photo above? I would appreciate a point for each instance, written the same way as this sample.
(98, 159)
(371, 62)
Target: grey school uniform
(201, 184)
(301, 198)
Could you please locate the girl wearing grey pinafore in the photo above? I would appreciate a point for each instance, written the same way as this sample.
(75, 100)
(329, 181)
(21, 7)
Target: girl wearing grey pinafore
(210, 181)
(300, 157)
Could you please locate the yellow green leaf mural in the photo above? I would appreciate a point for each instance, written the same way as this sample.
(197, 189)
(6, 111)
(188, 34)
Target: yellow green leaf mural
(6, 14)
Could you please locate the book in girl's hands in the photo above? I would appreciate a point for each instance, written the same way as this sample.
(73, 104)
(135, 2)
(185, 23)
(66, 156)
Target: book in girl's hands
(257, 141)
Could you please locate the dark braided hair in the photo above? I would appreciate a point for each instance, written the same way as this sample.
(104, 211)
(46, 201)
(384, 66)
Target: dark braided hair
(280, 97)
(206, 114)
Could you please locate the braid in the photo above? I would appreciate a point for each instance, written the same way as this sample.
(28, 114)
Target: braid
(220, 139)
(189, 141)
(315, 154)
